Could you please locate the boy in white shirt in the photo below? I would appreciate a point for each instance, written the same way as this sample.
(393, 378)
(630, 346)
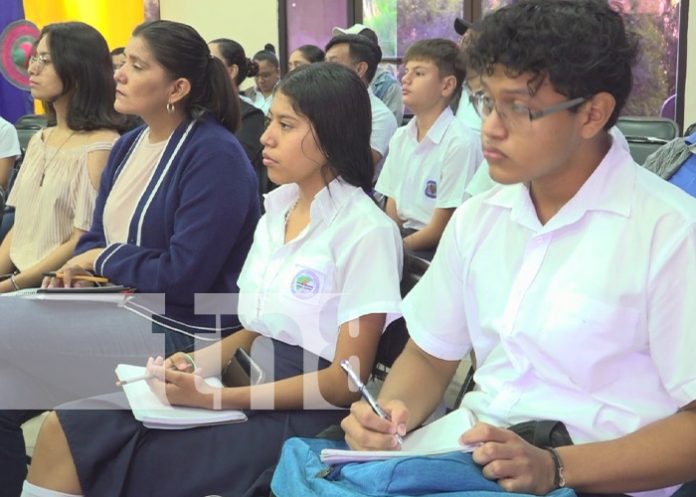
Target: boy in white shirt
(574, 280)
(434, 156)
(9, 151)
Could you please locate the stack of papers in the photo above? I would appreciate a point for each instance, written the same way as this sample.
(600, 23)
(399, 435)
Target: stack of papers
(438, 437)
(154, 414)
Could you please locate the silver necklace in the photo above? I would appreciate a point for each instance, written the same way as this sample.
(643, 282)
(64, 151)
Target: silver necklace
(47, 163)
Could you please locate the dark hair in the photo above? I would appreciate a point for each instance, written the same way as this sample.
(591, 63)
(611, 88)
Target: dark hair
(234, 54)
(361, 49)
(269, 47)
(445, 54)
(184, 54)
(118, 51)
(312, 53)
(81, 59)
(582, 46)
(322, 91)
(268, 57)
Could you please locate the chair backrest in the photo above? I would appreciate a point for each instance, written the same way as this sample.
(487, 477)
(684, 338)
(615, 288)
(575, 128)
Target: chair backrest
(646, 134)
(394, 338)
(27, 126)
(669, 107)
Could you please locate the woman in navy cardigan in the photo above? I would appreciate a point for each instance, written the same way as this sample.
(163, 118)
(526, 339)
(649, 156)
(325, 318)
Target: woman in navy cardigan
(176, 213)
(191, 226)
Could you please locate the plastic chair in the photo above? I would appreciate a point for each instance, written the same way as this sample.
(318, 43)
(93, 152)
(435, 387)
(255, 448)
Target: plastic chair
(646, 134)
(669, 108)
(27, 126)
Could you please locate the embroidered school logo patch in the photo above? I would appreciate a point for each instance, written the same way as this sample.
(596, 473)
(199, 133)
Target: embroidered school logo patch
(431, 189)
(305, 284)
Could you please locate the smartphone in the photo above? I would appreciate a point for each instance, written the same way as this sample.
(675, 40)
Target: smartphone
(242, 371)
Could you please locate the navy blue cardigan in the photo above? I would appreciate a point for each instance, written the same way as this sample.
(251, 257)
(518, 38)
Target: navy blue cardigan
(193, 225)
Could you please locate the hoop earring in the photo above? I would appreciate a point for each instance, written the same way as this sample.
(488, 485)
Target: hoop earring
(170, 108)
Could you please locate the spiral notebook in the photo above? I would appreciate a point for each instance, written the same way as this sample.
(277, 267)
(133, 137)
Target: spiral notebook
(156, 415)
(438, 437)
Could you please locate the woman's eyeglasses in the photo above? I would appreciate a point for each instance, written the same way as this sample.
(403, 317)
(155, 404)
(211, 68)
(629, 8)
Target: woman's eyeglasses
(41, 61)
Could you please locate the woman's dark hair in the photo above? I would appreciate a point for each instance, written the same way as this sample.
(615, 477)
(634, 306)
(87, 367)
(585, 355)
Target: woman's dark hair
(184, 54)
(582, 46)
(268, 57)
(312, 53)
(233, 53)
(118, 51)
(322, 91)
(82, 61)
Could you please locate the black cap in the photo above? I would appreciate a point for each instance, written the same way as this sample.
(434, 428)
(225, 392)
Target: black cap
(461, 26)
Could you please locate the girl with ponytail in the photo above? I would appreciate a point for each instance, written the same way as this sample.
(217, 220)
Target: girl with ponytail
(239, 67)
(178, 205)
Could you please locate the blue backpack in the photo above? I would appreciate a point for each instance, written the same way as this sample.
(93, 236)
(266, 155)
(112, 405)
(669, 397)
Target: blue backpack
(300, 473)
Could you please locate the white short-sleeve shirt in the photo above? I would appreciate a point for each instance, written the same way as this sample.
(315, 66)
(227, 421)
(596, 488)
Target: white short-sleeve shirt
(588, 319)
(431, 174)
(383, 125)
(346, 264)
(466, 112)
(9, 142)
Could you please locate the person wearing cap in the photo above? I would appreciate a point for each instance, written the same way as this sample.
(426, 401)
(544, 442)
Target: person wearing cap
(384, 85)
(360, 54)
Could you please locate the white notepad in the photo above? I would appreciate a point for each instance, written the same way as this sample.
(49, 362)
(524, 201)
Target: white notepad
(154, 414)
(438, 437)
(107, 294)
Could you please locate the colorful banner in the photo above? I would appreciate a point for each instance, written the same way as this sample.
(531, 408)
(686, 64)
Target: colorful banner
(115, 19)
(13, 101)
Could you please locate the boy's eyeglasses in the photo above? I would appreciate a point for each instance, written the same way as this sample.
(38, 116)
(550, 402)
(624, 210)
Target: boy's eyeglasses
(516, 114)
(41, 61)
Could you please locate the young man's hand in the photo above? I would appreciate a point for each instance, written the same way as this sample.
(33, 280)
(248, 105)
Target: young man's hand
(365, 430)
(515, 464)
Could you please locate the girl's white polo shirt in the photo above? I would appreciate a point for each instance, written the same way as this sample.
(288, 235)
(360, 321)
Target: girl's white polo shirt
(346, 264)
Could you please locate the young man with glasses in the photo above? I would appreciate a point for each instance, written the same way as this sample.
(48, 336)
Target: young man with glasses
(574, 280)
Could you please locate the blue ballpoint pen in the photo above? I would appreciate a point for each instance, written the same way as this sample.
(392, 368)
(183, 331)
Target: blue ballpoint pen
(355, 379)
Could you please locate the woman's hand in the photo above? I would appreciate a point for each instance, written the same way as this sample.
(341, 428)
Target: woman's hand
(179, 387)
(365, 430)
(515, 464)
(6, 286)
(67, 281)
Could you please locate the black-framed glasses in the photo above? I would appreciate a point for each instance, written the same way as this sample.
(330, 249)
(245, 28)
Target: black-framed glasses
(41, 61)
(517, 114)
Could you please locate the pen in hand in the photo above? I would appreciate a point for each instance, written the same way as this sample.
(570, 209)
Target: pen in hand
(192, 368)
(142, 377)
(79, 277)
(355, 379)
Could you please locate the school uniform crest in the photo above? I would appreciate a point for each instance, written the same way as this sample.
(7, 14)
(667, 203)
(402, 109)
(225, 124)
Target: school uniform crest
(306, 284)
(431, 189)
